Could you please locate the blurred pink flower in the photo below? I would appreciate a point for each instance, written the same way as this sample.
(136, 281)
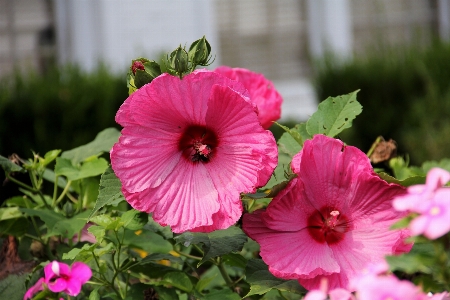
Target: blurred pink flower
(189, 148)
(431, 201)
(85, 236)
(262, 93)
(331, 220)
(59, 277)
(38, 286)
(387, 287)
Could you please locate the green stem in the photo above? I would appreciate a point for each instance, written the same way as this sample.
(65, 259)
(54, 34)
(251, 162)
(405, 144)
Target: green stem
(36, 228)
(442, 257)
(224, 273)
(55, 190)
(66, 189)
(187, 255)
(25, 186)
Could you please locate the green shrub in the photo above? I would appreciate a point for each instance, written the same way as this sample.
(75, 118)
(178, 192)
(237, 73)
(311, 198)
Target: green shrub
(62, 109)
(405, 95)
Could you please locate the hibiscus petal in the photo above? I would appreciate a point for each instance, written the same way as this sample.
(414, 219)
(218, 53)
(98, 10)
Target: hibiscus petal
(241, 137)
(289, 210)
(187, 199)
(287, 259)
(144, 159)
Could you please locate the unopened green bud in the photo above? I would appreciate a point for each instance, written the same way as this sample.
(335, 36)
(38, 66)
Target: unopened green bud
(199, 52)
(150, 72)
(142, 71)
(178, 61)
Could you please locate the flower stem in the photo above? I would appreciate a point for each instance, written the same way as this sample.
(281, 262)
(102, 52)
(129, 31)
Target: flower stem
(66, 189)
(224, 273)
(187, 255)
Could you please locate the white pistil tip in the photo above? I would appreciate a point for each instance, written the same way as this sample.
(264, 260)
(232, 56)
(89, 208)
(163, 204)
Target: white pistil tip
(55, 267)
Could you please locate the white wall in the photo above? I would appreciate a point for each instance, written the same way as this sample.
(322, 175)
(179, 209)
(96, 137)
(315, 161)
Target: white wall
(117, 31)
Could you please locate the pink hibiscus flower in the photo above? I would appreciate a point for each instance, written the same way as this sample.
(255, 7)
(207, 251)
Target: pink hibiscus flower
(262, 93)
(189, 148)
(59, 277)
(431, 201)
(331, 220)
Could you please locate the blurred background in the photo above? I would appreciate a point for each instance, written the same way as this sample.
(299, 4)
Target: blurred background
(63, 63)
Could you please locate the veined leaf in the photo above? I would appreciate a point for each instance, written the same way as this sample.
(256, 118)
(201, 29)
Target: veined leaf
(216, 243)
(262, 281)
(103, 142)
(109, 192)
(9, 166)
(334, 115)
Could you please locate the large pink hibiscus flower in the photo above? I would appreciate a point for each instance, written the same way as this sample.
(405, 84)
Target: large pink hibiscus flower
(331, 220)
(189, 148)
(262, 93)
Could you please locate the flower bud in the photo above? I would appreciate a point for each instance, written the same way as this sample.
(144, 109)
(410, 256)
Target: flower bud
(199, 52)
(142, 71)
(178, 61)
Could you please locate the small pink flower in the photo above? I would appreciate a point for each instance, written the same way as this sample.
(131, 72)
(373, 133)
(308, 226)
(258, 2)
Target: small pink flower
(331, 220)
(38, 286)
(262, 93)
(431, 201)
(417, 194)
(59, 277)
(387, 287)
(189, 148)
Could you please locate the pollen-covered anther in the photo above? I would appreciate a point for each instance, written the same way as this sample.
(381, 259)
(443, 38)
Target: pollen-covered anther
(202, 149)
(333, 220)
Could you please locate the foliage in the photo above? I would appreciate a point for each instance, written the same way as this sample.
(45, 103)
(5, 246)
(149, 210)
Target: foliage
(72, 209)
(405, 95)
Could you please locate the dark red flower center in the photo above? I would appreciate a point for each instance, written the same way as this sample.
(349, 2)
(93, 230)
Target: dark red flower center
(197, 143)
(328, 225)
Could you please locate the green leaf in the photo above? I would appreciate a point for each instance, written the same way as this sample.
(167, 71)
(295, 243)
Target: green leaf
(68, 227)
(178, 280)
(10, 213)
(9, 166)
(155, 257)
(83, 254)
(90, 168)
(49, 175)
(49, 217)
(216, 243)
(443, 164)
(134, 219)
(98, 231)
(288, 145)
(16, 227)
(50, 156)
(94, 295)
(107, 222)
(406, 182)
(334, 115)
(279, 174)
(103, 142)
(13, 287)
(148, 241)
(109, 192)
(293, 133)
(261, 280)
(411, 263)
(224, 294)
